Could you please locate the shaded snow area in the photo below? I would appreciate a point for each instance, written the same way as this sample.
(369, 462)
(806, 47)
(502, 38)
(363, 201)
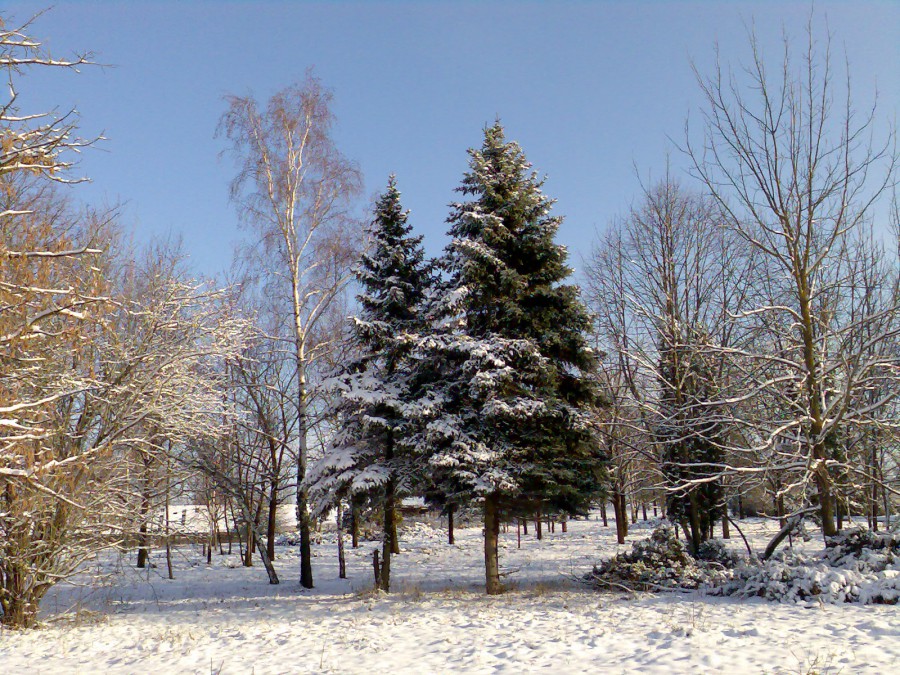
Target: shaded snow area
(226, 619)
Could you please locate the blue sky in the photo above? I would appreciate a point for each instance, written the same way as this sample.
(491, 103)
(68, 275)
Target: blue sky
(592, 90)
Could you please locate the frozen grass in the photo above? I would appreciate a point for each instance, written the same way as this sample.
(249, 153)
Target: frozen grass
(226, 619)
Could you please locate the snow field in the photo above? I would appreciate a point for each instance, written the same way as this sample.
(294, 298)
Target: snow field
(226, 619)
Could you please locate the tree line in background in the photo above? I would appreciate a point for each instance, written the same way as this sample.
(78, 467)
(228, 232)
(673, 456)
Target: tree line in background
(735, 344)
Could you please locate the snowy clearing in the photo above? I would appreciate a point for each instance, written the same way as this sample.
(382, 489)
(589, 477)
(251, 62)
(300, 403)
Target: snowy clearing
(226, 619)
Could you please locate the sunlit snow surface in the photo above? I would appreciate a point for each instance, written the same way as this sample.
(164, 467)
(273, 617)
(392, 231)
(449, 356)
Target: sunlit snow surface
(226, 619)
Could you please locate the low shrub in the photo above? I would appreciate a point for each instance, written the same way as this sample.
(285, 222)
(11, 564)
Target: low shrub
(660, 562)
(856, 566)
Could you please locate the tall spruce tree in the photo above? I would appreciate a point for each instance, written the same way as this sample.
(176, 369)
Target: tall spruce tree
(508, 376)
(372, 395)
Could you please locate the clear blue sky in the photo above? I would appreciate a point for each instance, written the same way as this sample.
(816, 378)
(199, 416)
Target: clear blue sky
(590, 89)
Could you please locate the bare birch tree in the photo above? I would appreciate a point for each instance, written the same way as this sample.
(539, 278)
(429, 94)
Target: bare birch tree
(295, 189)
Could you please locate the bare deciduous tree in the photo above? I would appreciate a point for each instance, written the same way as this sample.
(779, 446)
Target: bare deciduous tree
(295, 189)
(791, 163)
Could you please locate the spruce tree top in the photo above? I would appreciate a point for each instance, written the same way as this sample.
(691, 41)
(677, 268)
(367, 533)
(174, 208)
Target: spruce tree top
(505, 257)
(392, 273)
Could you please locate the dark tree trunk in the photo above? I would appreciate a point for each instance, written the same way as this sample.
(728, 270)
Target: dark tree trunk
(644, 510)
(376, 567)
(697, 534)
(524, 526)
(354, 524)
(603, 514)
(342, 563)
(450, 538)
(271, 521)
(726, 533)
(248, 551)
(395, 540)
(303, 520)
(621, 515)
(143, 554)
(227, 533)
(874, 503)
(491, 539)
(390, 532)
(167, 523)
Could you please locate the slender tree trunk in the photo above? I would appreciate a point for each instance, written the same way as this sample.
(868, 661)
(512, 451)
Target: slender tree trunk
(603, 513)
(227, 533)
(826, 503)
(253, 533)
(524, 526)
(395, 539)
(697, 534)
(874, 488)
(143, 555)
(248, 552)
(491, 539)
(342, 564)
(450, 537)
(272, 520)
(167, 525)
(387, 542)
(354, 523)
(621, 523)
(538, 526)
(303, 519)
(726, 533)
(644, 510)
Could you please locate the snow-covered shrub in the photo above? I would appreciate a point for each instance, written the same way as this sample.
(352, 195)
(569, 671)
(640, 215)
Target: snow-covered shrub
(659, 563)
(715, 551)
(856, 566)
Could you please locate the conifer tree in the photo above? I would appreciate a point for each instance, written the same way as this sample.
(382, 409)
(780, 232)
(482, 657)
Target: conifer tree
(507, 375)
(372, 394)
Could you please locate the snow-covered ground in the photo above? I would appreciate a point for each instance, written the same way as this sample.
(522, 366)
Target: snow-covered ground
(227, 619)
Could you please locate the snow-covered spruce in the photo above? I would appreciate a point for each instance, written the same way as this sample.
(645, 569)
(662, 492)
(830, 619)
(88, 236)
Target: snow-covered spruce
(508, 380)
(373, 396)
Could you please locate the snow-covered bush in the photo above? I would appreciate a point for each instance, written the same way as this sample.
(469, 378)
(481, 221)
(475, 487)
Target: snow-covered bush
(715, 551)
(659, 563)
(856, 566)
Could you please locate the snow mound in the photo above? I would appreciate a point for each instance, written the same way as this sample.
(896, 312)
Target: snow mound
(858, 566)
